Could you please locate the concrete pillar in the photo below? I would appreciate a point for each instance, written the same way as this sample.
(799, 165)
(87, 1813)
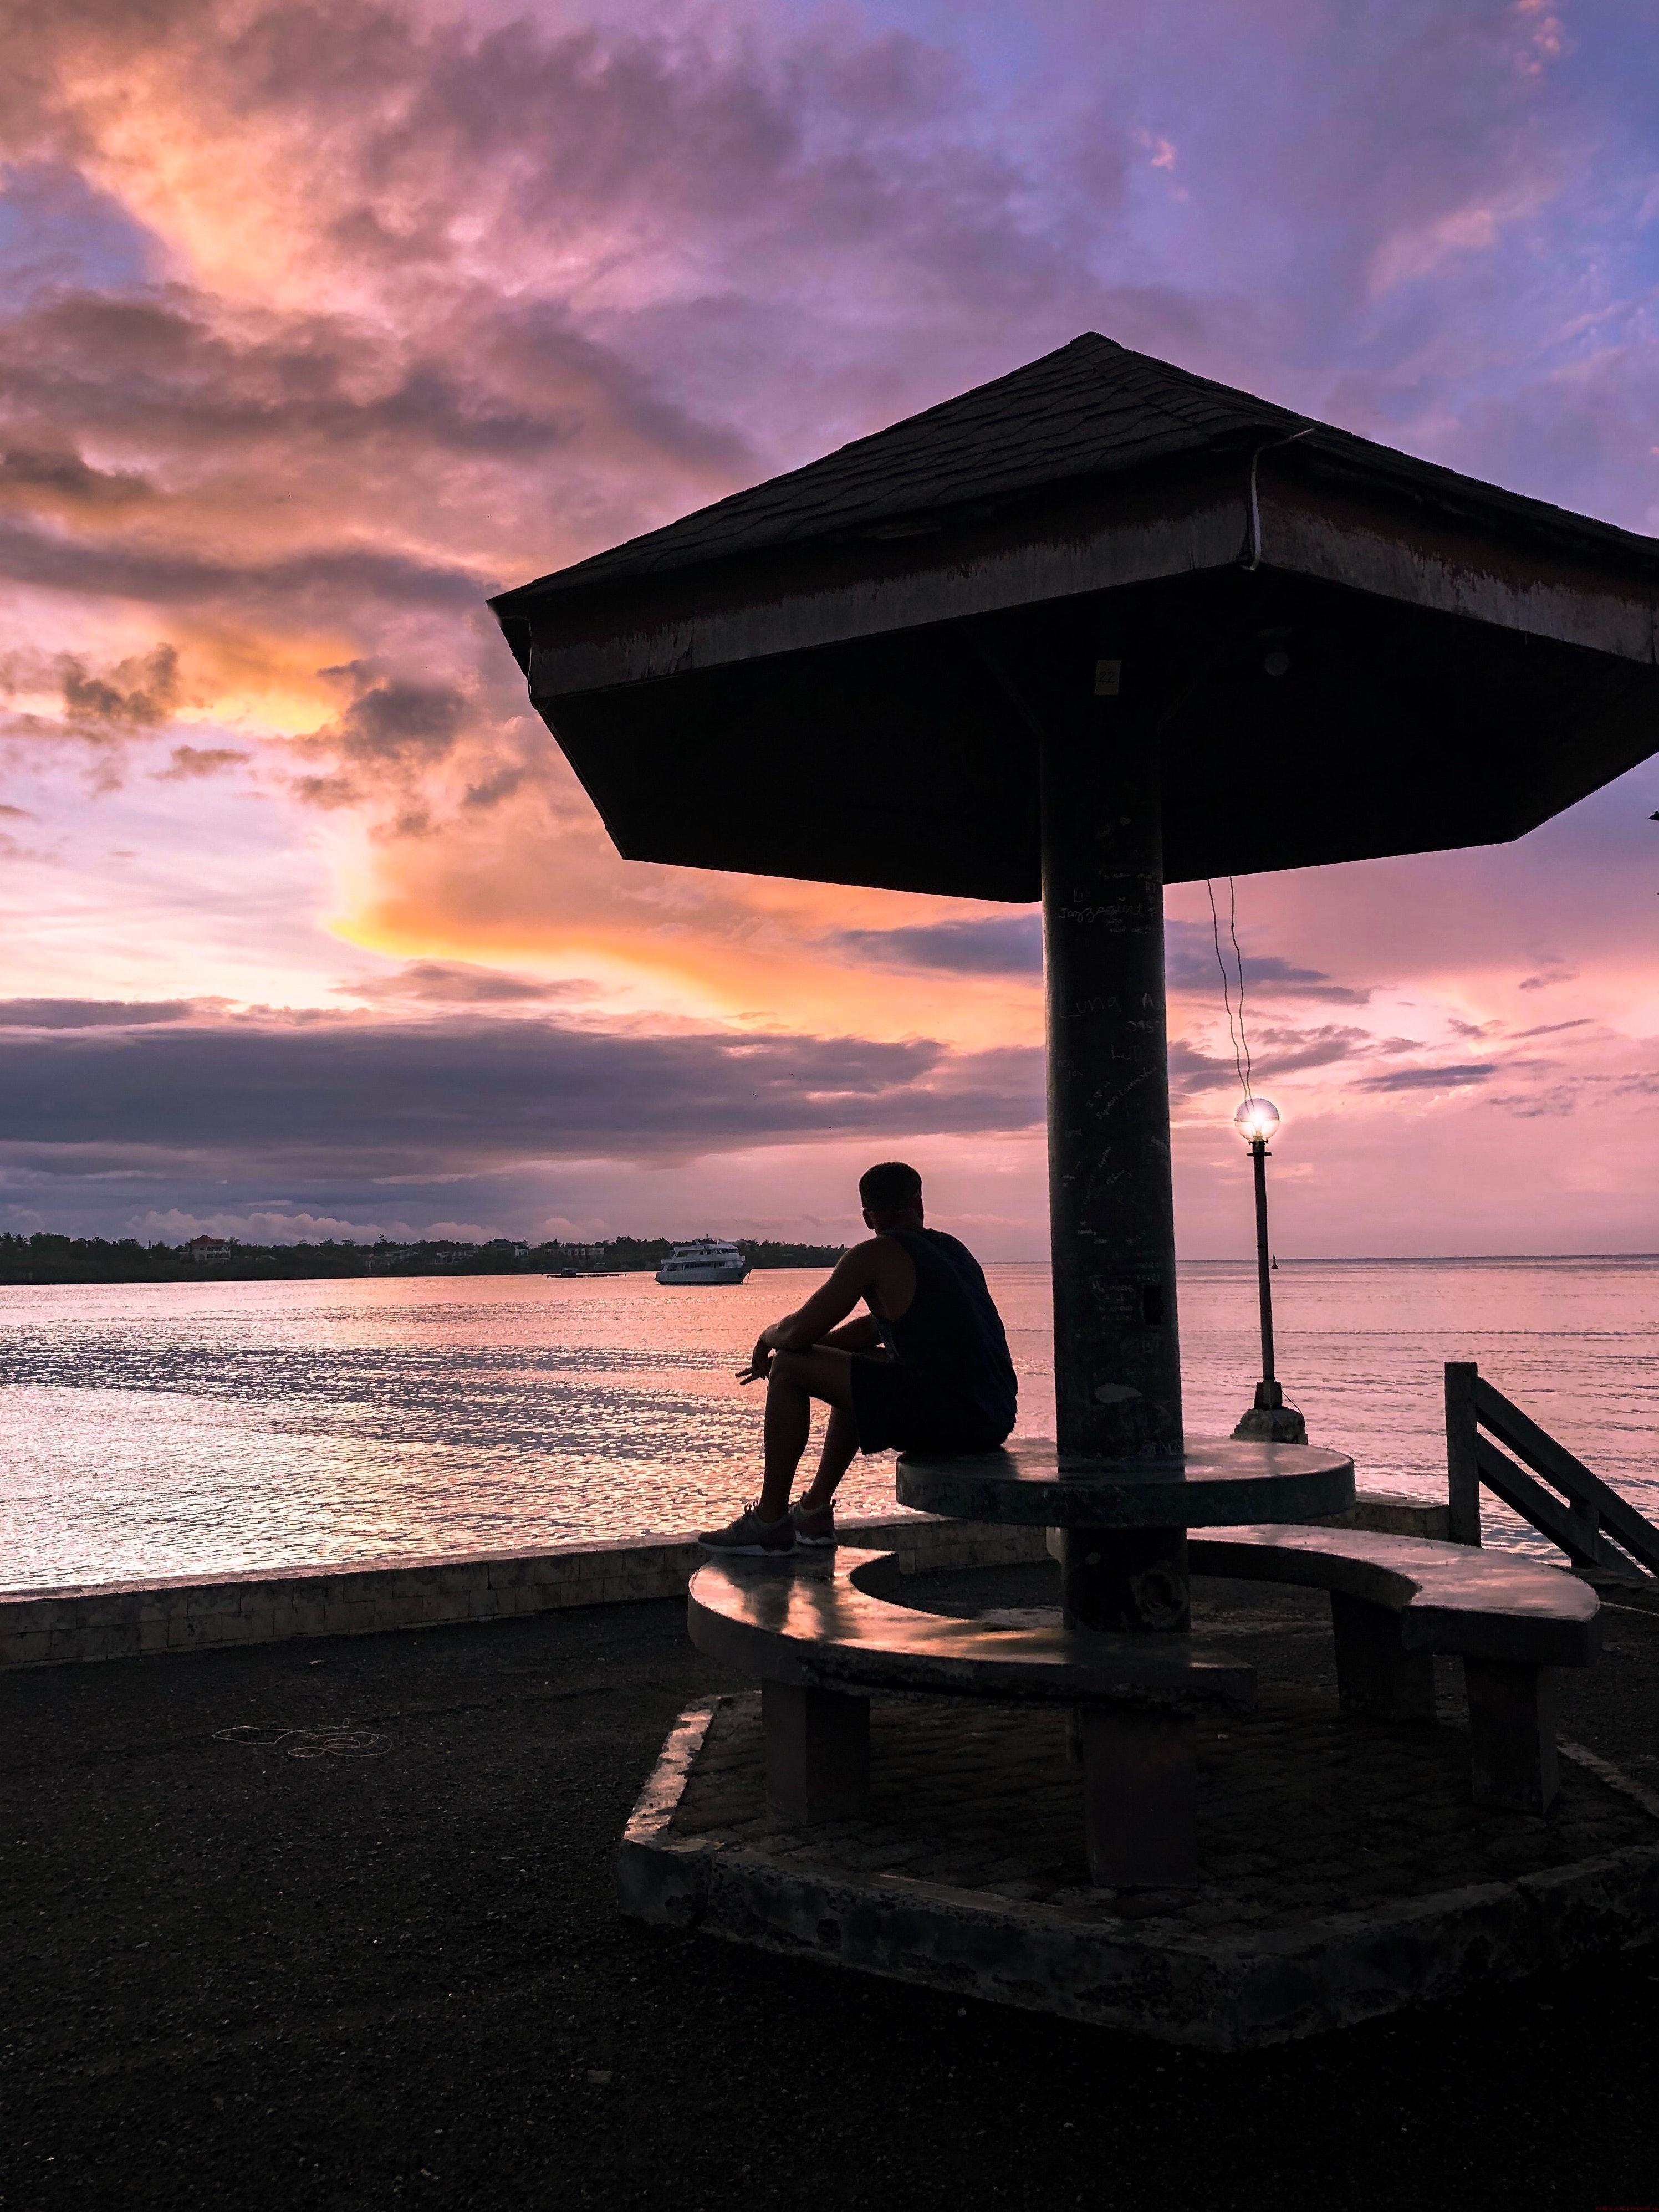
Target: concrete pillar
(1126, 1578)
(1139, 1797)
(1111, 1208)
(1117, 1365)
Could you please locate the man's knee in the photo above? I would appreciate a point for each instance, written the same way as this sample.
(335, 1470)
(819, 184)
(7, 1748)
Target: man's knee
(791, 1368)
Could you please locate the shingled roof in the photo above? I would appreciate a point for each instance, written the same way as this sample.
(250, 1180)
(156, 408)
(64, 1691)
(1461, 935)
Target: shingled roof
(1091, 409)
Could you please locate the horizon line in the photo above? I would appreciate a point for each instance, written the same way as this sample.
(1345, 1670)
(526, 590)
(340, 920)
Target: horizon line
(1367, 1259)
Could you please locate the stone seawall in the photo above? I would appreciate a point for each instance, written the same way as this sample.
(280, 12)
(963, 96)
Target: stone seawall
(128, 1620)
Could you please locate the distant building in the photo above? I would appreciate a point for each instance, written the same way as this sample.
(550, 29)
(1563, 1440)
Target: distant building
(209, 1248)
(515, 1246)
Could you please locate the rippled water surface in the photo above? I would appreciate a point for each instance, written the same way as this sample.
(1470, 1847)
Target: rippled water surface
(161, 1430)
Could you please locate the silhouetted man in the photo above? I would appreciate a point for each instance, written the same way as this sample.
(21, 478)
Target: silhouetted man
(926, 1370)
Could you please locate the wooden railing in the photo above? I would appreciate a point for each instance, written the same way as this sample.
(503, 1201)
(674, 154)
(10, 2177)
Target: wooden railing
(1594, 1525)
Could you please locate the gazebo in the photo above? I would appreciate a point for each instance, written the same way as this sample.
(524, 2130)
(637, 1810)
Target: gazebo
(1095, 627)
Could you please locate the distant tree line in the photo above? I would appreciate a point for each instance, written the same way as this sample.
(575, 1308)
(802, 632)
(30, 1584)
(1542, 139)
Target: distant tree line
(46, 1258)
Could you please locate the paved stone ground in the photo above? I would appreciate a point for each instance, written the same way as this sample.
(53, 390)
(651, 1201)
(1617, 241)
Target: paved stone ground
(230, 1976)
(1300, 1812)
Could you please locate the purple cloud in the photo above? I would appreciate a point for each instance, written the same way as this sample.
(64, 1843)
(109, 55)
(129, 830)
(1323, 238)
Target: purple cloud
(461, 1094)
(1456, 1077)
(1012, 945)
(91, 1013)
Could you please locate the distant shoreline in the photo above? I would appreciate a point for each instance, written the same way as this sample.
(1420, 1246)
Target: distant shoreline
(39, 1261)
(46, 1258)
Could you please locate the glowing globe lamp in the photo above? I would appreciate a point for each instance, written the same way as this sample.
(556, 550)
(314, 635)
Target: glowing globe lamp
(1257, 1120)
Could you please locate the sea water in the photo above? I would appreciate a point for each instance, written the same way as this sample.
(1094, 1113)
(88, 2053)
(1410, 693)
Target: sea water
(173, 1430)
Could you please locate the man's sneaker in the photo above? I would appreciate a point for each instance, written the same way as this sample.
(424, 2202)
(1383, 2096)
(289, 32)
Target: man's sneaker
(815, 1527)
(749, 1537)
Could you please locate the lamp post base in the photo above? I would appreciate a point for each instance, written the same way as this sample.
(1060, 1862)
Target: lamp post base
(1271, 1424)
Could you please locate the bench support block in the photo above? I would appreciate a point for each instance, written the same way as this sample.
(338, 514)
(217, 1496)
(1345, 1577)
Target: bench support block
(1139, 1797)
(1512, 1735)
(818, 1753)
(1375, 1674)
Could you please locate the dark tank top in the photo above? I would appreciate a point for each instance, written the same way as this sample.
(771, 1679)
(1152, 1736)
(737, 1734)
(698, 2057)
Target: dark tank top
(952, 1330)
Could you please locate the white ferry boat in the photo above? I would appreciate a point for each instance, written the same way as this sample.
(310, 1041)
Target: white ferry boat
(705, 1260)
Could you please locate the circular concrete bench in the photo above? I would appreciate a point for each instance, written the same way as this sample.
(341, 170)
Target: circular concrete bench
(1397, 1601)
(821, 1638)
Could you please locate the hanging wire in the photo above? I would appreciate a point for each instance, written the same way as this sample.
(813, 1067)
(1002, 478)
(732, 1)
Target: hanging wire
(1241, 1042)
(1243, 1039)
(1226, 982)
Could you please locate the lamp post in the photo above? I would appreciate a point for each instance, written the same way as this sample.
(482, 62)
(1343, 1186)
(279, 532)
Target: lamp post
(1269, 1419)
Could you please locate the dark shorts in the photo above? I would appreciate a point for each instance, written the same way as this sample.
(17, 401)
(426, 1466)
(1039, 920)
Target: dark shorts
(899, 1407)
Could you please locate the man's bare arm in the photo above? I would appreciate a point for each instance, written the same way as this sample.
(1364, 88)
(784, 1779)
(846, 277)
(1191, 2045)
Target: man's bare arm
(830, 1303)
(861, 1334)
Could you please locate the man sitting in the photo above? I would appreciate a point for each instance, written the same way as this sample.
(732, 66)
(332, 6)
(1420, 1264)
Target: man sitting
(926, 1370)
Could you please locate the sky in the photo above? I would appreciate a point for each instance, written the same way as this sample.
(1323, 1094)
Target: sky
(318, 324)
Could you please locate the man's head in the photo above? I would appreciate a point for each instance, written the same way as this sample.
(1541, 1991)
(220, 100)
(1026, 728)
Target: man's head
(891, 1194)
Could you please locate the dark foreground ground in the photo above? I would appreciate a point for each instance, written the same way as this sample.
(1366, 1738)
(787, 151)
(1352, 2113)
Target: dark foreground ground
(235, 1977)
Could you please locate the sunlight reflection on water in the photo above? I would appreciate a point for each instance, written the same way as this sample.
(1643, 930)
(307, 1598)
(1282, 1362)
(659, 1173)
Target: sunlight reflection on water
(162, 1429)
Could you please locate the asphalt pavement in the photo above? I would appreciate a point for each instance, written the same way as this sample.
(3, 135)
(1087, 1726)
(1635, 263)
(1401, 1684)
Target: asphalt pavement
(331, 1925)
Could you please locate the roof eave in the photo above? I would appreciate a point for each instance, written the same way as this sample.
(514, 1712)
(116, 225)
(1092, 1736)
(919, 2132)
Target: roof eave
(1092, 534)
(651, 559)
(1399, 541)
